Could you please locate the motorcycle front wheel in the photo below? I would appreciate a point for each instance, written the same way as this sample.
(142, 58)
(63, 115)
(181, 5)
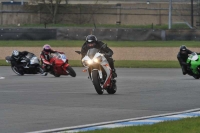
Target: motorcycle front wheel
(96, 82)
(15, 70)
(71, 71)
(40, 70)
(196, 77)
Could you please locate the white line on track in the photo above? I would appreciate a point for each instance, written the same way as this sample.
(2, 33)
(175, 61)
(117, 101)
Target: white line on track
(2, 77)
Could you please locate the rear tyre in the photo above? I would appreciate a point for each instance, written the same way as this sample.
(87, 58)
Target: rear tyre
(15, 69)
(96, 82)
(71, 71)
(113, 89)
(56, 75)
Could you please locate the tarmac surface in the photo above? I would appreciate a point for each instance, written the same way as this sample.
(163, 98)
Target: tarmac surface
(34, 102)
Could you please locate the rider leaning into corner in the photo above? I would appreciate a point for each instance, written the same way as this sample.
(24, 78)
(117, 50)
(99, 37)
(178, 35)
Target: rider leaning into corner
(16, 57)
(92, 42)
(45, 57)
(182, 56)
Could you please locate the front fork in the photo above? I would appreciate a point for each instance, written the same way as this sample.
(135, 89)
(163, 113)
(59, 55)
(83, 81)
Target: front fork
(96, 68)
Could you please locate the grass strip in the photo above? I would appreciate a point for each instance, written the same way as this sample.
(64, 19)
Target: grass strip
(187, 125)
(78, 43)
(126, 64)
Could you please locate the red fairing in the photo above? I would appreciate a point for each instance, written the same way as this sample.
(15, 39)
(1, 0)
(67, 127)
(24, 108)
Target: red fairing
(66, 65)
(107, 83)
(59, 67)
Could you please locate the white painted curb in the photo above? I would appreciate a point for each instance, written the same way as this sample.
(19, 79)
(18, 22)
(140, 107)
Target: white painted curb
(76, 128)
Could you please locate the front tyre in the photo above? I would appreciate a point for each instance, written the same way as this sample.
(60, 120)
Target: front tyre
(15, 69)
(40, 70)
(196, 77)
(96, 82)
(71, 71)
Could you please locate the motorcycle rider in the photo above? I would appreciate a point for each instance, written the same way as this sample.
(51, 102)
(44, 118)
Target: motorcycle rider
(92, 42)
(182, 56)
(16, 57)
(45, 57)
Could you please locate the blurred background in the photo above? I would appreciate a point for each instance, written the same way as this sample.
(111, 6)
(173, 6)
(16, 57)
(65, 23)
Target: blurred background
(111, 13)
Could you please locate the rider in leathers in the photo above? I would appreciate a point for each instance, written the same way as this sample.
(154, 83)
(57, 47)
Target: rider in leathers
(92, 42)
(182, 56)
(45, 57)
(16, 58)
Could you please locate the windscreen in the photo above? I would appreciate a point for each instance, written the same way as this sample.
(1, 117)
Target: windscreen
(92, 52)
(29, 55)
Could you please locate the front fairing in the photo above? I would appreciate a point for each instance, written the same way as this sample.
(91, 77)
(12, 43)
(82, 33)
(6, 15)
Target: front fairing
(58, 59)
(93, 57)
(95, 61)
(34, 60)
(194, 62)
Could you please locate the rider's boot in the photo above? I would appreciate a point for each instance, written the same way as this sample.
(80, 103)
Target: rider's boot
(114, 74)
(45, 71)
(183, 70)
(45, 74)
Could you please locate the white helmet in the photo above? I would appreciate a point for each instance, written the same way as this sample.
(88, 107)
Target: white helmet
(15, 53)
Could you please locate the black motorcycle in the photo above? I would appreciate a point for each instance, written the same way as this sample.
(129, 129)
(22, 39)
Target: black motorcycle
(30, 64)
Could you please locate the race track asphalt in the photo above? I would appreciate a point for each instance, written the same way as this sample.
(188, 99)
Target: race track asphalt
(34, 102)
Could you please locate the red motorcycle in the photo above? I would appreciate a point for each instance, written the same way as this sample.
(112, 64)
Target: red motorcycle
(60, 65)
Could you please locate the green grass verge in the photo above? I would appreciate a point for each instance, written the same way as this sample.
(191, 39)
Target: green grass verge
(187, 125)
(126, 64)
(78, 43)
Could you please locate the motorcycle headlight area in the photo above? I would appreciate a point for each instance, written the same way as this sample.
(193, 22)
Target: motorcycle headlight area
(98, 59)
(94, 60)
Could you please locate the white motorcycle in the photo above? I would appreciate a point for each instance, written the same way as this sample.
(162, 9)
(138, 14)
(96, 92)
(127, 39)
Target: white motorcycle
(30, 66)
(99, 71)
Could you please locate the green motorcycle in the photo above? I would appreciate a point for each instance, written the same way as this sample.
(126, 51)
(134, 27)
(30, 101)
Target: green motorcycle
(194, 65)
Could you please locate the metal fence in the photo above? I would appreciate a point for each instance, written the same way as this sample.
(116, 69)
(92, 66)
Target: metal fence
(141, 13)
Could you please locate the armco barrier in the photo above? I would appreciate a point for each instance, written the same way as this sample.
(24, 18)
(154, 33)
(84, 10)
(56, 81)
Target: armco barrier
(183, 35)
(27, 34)
(120, 34)
(124, 34)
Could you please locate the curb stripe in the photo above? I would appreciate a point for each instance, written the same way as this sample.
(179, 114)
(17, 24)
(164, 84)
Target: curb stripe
(126, 122)
(148, 121)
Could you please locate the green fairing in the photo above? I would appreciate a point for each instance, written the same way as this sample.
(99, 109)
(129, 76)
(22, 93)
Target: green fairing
(194, 63)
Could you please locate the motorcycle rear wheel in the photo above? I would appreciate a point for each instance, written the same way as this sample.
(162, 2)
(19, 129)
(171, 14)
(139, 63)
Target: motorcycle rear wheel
(56, 75)
(113, 89)
(71, 71)
(96, 82)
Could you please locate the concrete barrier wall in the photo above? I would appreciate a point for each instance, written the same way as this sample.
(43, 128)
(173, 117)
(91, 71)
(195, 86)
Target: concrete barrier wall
(127, 14)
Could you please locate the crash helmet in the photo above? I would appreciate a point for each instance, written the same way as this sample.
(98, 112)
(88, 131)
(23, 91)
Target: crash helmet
(91, 41)
(183, 49)
(47, 48)
(15, 53)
